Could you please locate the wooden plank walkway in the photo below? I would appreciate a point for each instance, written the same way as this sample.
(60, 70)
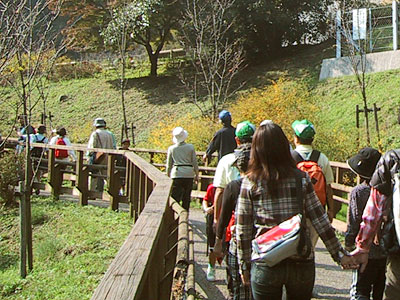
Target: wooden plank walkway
(331, 282)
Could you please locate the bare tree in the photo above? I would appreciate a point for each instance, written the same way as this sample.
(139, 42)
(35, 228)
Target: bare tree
(215, 54)
(117, 34)
(35, 40)
(356, 44)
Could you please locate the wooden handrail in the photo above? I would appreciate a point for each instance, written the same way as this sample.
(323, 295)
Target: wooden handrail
(143, 267)
(135, 272)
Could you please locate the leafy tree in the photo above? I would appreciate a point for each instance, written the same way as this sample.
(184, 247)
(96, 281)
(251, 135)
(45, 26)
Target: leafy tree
(90, 18)
(269, 25)
(117, 34)
(162, 16)
(86, 19)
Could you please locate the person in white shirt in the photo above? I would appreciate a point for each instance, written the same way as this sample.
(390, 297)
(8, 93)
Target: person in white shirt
(55, 140)
(304, 133)
(103, 139)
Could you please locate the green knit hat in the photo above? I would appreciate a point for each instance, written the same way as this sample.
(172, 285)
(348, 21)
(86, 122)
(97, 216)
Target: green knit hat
(245, 129)
(303, 129)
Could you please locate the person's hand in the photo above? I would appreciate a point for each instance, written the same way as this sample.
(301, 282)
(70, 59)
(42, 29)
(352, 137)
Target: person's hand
(361, 257)
(348, 262)
(218, 248)
(205, 158)
(209, 210)
(246, 278)
(349, 248)
(330, 215)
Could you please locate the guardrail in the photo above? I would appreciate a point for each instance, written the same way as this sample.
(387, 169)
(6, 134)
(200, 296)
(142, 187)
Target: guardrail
(157, 256)
(344, 178)
(158, 250)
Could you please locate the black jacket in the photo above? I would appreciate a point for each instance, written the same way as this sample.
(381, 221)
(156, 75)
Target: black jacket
(223, 141)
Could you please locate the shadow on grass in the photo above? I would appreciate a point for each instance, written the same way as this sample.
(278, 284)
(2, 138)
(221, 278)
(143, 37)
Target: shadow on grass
(168, 86)
(7, 260)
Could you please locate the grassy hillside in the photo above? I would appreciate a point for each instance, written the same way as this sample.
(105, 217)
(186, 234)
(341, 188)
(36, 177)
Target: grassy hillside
(152, 100)
(72, 248)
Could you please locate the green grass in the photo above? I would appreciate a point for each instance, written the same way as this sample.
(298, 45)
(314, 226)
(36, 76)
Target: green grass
(72, 248)
(342, 214)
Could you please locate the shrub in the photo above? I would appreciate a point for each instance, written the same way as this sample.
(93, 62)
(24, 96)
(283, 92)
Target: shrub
(80, 133)
(10, 168)
(282, 102)
(66, 69)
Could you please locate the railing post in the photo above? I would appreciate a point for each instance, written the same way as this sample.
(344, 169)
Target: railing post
(395, 24)
(136, 191)
(113, 182)
(142, 190)
(55, 176)
(82, 176)
(338, 34)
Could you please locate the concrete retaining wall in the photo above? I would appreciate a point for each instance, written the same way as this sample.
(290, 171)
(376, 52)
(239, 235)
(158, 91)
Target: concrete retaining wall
(376, 62)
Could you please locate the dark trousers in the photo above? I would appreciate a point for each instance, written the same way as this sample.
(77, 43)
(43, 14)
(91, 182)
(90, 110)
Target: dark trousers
(372, 279)
(297, 276)
(392, 288)
(240, 291)
(181, 189)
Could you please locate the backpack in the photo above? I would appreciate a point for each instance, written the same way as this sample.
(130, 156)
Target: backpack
(313, 170)
(61, 153)
(36, 151)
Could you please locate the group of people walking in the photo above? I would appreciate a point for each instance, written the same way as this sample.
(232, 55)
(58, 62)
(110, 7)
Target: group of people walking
(101, 137)
(256, 187)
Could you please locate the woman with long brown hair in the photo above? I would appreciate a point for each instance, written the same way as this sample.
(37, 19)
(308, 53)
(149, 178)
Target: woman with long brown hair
(268, 196)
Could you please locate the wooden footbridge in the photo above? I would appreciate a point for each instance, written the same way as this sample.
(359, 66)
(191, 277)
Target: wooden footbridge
(156, 260)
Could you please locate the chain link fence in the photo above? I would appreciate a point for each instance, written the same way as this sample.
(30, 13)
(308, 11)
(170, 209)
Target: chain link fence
(377, 33)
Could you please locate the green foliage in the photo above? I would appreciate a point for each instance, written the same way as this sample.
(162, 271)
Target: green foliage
(338, 98)
(9, 175)
(268, 25)
(342, 214)
(72, 249)
(127, 20)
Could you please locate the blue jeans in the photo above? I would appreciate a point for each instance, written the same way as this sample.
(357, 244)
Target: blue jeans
(297, 276)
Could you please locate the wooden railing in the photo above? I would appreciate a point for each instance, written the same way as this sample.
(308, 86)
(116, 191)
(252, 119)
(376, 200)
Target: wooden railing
(344, 178)
(157, 256)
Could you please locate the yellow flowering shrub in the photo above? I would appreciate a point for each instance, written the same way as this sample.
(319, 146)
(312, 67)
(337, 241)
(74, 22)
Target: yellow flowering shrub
(282, 102)
(200, 132)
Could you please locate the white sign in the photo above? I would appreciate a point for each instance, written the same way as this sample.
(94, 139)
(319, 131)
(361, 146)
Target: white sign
(359, 24)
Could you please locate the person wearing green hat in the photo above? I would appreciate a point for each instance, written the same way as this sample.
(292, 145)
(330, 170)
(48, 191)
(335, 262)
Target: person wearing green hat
(226, 170)
(304, 132)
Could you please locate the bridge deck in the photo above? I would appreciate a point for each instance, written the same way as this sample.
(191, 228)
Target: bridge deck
(331, 282)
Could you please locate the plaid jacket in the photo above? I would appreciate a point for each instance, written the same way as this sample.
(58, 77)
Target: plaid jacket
(256, 208)
(382, 189)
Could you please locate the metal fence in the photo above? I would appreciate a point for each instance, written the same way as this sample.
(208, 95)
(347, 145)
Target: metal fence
(377, 32)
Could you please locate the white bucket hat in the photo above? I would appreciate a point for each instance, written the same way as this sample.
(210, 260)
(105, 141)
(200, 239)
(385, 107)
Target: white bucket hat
(179, 135)
(99, 122)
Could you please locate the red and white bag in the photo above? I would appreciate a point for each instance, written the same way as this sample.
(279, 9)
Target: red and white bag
(278, 243)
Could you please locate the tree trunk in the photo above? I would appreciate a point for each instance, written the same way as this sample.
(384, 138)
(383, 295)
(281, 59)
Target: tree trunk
(122, 86)
(366, 117)
(153, 64)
